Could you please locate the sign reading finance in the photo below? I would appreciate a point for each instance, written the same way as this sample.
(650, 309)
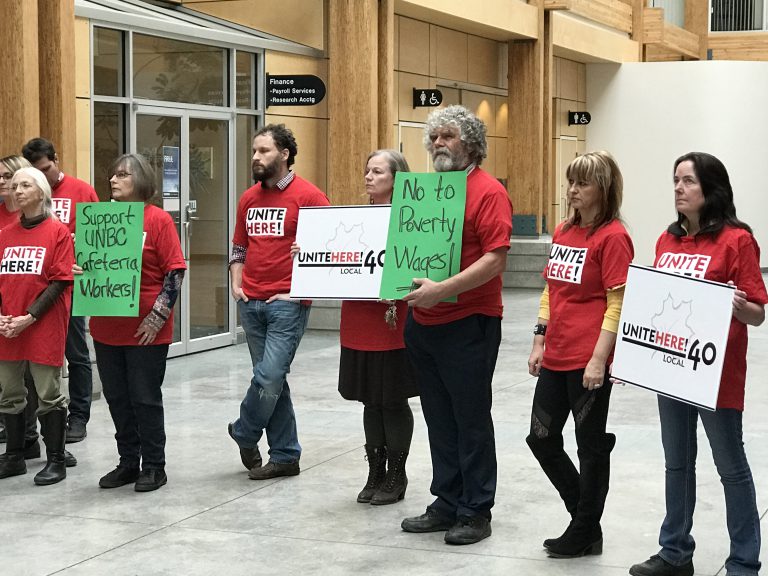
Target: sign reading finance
(342, 252)
(108, 246)
(294, 90)
(672, 334)
(425, 229)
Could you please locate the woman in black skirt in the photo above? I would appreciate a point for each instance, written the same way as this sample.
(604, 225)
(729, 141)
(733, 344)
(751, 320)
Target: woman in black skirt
(374, 368)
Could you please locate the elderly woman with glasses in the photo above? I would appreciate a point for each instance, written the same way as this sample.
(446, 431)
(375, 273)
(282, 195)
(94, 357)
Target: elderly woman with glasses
(36, 258)
(131, 352)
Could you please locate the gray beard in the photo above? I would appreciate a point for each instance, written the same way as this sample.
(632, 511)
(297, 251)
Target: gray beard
(449, 162)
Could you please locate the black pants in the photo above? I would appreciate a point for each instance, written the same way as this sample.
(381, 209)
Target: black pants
(132, 377)
(455, 364)
(558, 394)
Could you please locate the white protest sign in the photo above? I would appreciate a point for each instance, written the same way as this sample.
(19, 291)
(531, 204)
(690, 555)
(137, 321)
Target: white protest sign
(342, 252)
(672, 335)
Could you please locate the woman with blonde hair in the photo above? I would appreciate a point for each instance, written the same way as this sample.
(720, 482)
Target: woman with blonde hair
(573, 345)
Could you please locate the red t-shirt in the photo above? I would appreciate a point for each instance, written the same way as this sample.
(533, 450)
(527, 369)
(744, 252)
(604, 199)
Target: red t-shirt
(7, 217)
(363, 326)
(487, 226)
(161, 255)
(266, 226)
(67, 194)
(30, 261)
(580, 269)
(732, 255)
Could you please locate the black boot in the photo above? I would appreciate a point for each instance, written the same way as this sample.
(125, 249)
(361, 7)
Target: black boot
(395, 483)
(584, 535)
(559, 468)
(12, 462)
(2, 429)
(53, 425)
(377, 470)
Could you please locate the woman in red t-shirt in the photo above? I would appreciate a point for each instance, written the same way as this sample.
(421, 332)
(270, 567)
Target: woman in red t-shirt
(726, 251)
(374, 368)
(131, 352)
(573, 345)
(36, 258)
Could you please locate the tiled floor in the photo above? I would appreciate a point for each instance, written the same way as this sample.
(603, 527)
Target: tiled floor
(212, 520)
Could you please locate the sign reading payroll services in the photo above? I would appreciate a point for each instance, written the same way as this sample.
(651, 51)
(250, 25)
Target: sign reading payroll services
(342, 252)
(672, 335)
(108, 246)
(425, 228)
(294, 90)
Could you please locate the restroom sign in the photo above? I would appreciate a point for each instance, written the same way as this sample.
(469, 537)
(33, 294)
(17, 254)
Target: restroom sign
(294, 90)
(579, 118)
(426, 97)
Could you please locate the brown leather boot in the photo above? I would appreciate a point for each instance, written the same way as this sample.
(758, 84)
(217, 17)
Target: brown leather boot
(377, 470)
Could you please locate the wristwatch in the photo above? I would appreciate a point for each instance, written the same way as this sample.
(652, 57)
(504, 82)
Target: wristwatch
(540, 330)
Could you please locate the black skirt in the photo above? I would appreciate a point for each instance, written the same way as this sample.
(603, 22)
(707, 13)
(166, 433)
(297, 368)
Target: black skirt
(376, 378)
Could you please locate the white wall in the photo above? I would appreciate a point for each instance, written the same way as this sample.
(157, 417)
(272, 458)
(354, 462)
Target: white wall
(649, 114)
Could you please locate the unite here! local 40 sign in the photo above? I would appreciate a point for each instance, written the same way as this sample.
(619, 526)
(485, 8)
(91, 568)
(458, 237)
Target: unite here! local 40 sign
(672, 335)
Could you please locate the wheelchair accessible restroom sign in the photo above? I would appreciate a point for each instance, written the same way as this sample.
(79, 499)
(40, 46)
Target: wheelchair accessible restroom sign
(426, 97)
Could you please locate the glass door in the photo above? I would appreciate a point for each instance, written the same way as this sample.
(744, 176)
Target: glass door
(190, 153)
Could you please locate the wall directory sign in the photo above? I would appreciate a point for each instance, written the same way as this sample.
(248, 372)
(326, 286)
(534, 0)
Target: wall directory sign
(171, 172)
(108, 247)
(294, 90)
(425, 230)
(672, 334)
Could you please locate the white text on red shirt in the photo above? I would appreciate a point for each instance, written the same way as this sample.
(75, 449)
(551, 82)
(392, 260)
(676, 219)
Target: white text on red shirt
(22, 260)
(566, 263)
(265, 221)
(686, 264)
(62, 207)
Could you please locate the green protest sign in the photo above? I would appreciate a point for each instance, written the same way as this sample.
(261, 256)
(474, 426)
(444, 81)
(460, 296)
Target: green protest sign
(425, 228)
(108, 244)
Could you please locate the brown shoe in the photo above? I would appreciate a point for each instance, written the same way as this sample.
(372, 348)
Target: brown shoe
(274, 469)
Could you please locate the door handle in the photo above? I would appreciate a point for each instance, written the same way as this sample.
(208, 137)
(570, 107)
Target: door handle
(187, 236)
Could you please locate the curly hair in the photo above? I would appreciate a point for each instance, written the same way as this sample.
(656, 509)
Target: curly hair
(283, 138)
(471, 130)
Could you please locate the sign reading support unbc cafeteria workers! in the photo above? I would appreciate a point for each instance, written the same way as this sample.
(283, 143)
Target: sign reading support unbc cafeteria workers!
(425, 230)
(342, 252)
(672, 334)
(108, 246)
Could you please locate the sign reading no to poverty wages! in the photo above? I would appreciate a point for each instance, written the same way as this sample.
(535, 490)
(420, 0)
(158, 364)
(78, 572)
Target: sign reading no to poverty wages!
(108, 245)
(425, 227)
(672, 335)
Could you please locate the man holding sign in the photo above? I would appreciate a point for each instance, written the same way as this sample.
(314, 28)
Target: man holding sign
(454, 345)
(68, 191)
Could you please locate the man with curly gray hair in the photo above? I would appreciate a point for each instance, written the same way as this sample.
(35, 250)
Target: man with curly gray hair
(454, 345)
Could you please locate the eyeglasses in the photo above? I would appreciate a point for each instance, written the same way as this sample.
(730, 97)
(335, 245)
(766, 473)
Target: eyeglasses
(121, 175)
(6, 175)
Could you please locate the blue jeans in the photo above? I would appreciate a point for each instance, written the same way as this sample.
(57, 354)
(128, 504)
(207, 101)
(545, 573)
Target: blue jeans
(724, 431)
(273, 332)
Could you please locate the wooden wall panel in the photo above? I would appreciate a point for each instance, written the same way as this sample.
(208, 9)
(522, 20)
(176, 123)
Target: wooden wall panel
(353, 94)
(83, 138)
(483, 58)
(284, 63)
(739, 45)
(20, 87)
(299, 20)
(312, 141)
(386, 73)
(414, 46)
(451, 57)
(82, 58)
(484, 107)
(57, 83)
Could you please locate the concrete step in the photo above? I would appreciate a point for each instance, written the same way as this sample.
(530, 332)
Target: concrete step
(530, 246)
(512, 279)
(526, 262)
(325, 315)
